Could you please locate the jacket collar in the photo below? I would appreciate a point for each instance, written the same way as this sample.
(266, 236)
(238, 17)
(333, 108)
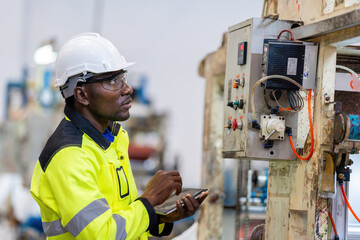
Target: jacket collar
(84, 125)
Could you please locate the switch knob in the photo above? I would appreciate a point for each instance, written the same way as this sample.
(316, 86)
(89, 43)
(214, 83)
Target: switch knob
(240, 124)
(230, 104)
(236, 104)
(241, 103)
(234, 124)
(228, 126)
(236, 83)
(242, 82)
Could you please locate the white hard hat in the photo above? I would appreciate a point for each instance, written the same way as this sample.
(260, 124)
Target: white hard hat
(87, 53)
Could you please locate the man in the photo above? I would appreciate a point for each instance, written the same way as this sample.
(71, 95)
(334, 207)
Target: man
(83, 180)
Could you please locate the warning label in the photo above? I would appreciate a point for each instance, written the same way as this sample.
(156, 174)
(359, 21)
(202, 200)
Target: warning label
(291, 66)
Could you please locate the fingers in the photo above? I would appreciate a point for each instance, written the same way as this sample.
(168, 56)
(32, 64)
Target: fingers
(177, 187)
(193, 201)
(191, 205)
(176, 175)
(189, 208)
(162, 185)
(169, 173)
(178, 191)
(202, 197)
(173, 173)
(176, 178)
(180, 208)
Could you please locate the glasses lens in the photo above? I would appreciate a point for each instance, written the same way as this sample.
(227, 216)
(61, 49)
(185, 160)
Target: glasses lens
(115, 83)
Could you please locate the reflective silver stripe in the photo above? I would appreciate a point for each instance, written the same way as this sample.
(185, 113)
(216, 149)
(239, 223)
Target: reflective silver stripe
(86, 216)
(53, 228)
(120, 227)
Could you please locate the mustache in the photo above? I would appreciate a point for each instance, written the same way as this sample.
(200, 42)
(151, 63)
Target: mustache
(127, 100)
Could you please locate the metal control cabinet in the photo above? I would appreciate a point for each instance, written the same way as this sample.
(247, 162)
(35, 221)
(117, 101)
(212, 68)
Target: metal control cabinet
(242, 72)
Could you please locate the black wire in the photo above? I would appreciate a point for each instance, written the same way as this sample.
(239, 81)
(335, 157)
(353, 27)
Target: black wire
(266, 100)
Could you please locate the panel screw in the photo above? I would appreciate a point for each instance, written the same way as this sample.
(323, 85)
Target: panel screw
(327, 97)
(341, 176)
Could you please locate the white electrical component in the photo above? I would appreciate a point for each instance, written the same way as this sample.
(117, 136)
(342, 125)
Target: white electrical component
(272, 127)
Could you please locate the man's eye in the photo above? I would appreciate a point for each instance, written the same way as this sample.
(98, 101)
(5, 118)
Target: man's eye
(112, 82)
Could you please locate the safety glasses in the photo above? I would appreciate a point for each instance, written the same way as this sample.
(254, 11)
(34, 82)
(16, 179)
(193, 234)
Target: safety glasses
(112, 83)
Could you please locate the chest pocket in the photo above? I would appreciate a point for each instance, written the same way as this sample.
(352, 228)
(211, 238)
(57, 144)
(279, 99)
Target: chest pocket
(123, 182)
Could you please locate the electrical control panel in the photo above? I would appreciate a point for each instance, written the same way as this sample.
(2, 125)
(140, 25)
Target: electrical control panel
(244, 67)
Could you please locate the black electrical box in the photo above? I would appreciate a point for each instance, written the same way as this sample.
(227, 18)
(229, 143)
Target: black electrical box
(242, 49)
(284, 58)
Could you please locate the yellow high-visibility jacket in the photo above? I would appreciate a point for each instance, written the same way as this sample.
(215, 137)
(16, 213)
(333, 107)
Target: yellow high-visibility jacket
(85, 188)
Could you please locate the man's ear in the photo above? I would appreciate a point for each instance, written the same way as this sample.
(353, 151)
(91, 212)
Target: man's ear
(81, 95)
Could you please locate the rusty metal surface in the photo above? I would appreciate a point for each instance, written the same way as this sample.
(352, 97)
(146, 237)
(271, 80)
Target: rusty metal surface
(321, 28)
(350, 101)
(351, 62)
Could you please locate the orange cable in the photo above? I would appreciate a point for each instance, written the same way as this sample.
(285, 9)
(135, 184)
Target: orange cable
(311, 132)
(284, 109)
(348, 204)
(332, 223)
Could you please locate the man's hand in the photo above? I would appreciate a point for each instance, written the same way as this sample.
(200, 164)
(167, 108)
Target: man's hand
(161, 186)
(191, 205)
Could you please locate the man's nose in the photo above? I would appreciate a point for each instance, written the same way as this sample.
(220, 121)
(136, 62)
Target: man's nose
(127, 89)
